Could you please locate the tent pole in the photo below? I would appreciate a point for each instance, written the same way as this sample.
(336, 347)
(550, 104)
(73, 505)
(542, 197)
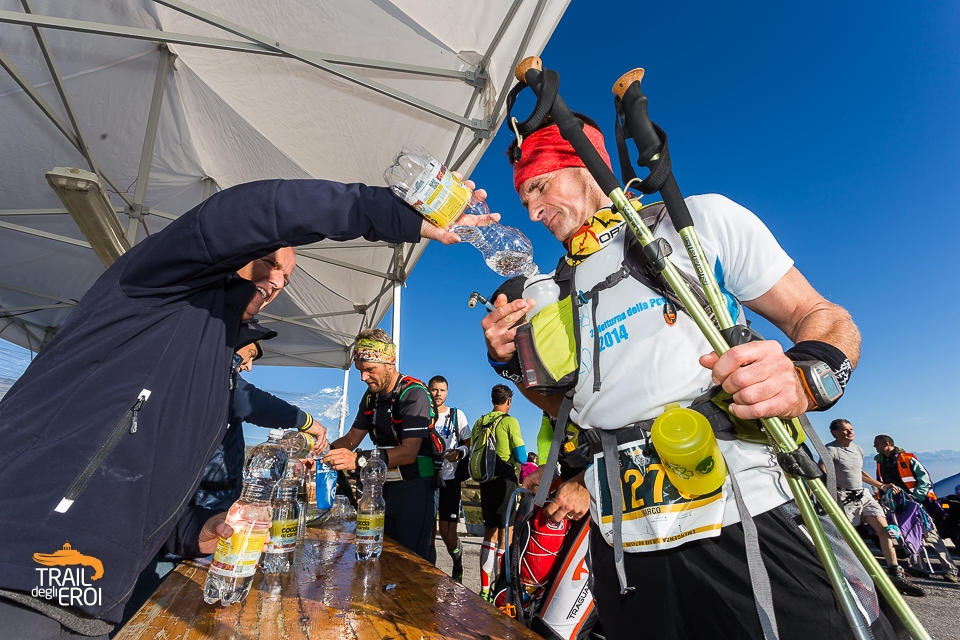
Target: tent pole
(396, 319)
(343, 401)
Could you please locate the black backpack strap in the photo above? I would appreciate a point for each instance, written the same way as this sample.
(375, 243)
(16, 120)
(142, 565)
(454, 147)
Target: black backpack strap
(563, 417)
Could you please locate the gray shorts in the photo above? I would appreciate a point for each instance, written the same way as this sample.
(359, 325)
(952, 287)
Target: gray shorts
(856, 509)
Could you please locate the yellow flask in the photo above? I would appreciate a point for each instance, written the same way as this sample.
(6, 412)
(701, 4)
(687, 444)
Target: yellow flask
(689, 450)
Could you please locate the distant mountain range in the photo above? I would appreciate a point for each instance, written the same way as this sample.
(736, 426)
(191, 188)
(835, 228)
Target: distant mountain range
(325, 404)
(941, 464)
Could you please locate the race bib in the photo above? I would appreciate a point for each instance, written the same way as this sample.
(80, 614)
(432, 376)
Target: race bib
(655, 514)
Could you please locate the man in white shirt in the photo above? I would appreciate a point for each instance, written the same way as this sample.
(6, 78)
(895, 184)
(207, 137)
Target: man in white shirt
(453, 427)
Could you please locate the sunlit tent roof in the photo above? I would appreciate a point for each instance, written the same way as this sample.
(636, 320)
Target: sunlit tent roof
(169, 102)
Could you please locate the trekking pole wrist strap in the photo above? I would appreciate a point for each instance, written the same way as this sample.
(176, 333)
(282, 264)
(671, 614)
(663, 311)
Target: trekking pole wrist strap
(836, 359)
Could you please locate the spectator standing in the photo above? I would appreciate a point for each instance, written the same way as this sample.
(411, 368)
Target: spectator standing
(397, 418)
(453, 428)
(859, 505)
(495, 494)
(902, 471)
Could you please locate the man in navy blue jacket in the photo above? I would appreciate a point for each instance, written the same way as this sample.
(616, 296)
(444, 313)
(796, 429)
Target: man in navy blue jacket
(104, 437)
(222, 479)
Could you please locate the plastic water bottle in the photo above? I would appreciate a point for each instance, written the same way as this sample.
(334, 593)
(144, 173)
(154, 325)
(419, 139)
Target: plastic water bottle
(299, 443)
(278, 554)
(369, 536)
(326, 483)
(440, 197)
(543, 290)
(235, 560)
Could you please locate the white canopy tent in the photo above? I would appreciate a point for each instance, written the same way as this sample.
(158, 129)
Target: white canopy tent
(168, 102)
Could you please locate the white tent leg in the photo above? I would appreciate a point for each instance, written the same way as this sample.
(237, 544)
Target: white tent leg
(396, 320)
(343, 401)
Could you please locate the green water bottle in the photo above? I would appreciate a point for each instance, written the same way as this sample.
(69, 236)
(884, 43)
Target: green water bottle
(689, 450)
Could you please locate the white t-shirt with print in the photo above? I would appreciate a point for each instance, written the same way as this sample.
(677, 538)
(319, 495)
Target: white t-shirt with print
(452, 438)
(646, 363)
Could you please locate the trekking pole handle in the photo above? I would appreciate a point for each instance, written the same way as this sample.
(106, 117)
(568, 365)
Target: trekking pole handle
(634, 104)
(623, 82)
(529, 72)
(531, 62)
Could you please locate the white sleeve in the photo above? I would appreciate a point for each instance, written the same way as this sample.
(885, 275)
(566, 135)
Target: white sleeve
(751, 260)
(464, 425)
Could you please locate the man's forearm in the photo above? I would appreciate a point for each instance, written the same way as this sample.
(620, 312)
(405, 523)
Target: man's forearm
(870, 481)
(830, 323)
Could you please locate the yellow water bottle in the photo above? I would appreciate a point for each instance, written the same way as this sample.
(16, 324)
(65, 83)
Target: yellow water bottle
(689, 450)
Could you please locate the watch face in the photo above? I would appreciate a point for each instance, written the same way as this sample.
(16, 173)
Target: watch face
(830, 387)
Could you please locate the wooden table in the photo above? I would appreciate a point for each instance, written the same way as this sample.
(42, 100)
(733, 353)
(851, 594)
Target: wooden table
(327, 594)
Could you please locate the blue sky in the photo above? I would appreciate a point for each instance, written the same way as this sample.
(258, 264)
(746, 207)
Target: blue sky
(836, 124)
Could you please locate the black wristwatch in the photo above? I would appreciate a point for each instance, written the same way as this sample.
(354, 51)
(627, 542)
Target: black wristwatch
(819, 383)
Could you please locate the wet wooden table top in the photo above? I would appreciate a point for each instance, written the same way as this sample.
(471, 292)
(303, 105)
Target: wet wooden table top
(327, 595)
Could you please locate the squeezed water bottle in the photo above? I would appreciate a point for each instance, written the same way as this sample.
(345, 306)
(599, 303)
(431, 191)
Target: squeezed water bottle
(299, 443)
(326, 483)
(440, 197)
(278, 554)
(369, 535)
(235, 560)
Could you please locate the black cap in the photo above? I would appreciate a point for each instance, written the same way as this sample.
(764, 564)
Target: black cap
(251, 332)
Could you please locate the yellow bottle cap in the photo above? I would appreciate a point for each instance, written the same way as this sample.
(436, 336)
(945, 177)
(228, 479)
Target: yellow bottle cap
(680, 430)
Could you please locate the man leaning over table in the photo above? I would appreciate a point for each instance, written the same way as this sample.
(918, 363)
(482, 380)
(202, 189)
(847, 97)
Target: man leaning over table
(104, 436)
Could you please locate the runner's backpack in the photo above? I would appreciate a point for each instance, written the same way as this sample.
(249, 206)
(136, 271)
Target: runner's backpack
(483, 450)
(404, 384)
(547, 583)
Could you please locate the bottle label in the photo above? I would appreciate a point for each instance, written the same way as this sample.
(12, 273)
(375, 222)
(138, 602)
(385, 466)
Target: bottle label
(309, 441)
(370, 525)
(438, 195)
(283, 536)
(237, 556)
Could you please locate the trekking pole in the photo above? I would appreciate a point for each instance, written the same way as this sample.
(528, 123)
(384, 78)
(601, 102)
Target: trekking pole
(530, 73)
(650, 141)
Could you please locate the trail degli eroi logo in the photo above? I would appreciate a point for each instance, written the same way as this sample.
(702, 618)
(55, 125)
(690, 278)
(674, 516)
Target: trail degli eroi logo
(67, 577)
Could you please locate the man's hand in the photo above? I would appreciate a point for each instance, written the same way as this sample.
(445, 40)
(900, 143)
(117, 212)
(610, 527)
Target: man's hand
(446, 236)
(761, 379)
(213, 529)
(320, 432)
(571, 500)
(498, 326)
(341, 459)
(451, 454)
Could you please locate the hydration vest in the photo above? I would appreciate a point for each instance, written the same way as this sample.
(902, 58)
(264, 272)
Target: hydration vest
(437, 445)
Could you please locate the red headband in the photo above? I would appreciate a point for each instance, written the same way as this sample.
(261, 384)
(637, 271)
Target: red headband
(545, 150)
